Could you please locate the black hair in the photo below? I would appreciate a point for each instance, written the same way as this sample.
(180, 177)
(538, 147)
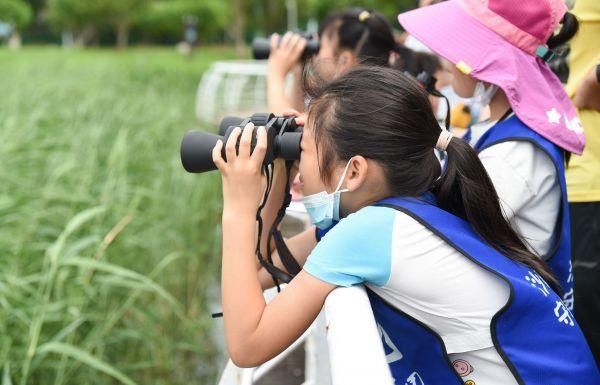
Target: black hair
(365, 32)
(570, 27)
(384, 115)
(415, 62)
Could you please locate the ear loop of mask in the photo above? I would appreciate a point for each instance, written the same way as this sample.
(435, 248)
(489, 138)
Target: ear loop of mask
(337, 189)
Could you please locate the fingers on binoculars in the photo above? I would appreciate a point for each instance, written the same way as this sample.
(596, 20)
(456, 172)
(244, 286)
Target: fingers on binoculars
(261, 145)
(290, 113)
(230, 150)
(216, 155)
(275, 38)
(283, 43)
(246, 141)
(300, 45)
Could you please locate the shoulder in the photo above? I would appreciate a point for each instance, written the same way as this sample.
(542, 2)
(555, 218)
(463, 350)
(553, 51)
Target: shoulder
(356, 250)
(371, 224)
(522, 156)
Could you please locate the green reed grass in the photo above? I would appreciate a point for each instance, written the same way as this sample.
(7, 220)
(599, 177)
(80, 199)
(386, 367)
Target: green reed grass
(107, 247)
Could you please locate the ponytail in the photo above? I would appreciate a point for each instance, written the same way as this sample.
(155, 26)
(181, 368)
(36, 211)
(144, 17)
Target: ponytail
(466, 190)
(570, 27)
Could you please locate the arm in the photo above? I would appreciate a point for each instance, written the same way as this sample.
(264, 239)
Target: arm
(587, 95)
(285, 55)
(255, 331)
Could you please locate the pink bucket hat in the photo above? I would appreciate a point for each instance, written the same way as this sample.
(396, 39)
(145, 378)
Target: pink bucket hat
(503, 42)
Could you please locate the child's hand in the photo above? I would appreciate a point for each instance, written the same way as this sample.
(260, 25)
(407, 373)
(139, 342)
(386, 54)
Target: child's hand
(285, 52)
(243, 181)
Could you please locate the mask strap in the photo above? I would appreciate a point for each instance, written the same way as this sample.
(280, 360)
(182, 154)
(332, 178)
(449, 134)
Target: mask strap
(343, 177)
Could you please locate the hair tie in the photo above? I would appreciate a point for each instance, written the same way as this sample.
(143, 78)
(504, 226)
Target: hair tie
(443, 140)
(364, 15)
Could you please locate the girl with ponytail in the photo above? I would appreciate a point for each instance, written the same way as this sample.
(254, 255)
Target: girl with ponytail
(457, 295)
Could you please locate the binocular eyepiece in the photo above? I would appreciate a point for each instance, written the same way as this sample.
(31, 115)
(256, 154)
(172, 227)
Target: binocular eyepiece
(283, 141)
(261, 47)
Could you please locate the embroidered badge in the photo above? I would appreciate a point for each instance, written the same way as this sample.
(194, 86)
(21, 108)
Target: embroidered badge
(462, 367)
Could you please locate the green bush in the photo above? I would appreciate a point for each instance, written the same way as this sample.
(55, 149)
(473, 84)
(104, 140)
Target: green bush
(165, 17)
(107, 247)
(15, 12)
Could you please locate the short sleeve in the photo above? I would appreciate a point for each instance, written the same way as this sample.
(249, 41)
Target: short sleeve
(357, 250)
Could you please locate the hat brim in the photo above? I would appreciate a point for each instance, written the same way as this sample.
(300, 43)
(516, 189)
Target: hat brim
(534, 92)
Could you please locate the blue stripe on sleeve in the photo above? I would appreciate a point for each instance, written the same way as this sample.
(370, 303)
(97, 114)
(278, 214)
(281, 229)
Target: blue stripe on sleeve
(357, 250)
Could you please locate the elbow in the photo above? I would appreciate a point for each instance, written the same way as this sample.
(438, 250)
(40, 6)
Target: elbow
(245, 357)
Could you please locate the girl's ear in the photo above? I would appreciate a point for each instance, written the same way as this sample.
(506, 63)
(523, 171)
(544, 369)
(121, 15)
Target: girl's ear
(356, 174)
(346, 60)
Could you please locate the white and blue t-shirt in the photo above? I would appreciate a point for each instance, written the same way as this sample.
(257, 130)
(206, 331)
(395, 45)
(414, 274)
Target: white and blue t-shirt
(417, 272)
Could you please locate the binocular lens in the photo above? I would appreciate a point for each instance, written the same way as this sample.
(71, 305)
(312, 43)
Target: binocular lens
(283, 141)
(261, 48)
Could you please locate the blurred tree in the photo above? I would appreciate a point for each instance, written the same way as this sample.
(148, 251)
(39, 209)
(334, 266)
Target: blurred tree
(163, 19)
(84, 18)
(78, 17)
(121, 14)
(389, 8)
(239, 25)
(18, 14)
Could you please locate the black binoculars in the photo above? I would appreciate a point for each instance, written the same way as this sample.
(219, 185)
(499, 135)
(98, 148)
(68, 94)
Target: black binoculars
(261, 47)
(283, 141)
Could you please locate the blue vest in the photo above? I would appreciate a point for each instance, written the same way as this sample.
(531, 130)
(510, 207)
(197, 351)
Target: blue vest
(534, 333)
(559, 256)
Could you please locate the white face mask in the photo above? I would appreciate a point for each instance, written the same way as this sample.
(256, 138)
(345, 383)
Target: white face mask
(483, 96)
(324, 208)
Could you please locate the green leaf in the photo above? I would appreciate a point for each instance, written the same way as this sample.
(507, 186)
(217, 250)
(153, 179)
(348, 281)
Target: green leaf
(6, 375)
(113, 269)
(86, 358)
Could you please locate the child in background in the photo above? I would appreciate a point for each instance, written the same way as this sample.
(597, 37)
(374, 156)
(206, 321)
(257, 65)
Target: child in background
(348, 37)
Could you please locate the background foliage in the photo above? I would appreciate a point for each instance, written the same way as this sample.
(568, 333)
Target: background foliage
(161, 21)
(108, 248)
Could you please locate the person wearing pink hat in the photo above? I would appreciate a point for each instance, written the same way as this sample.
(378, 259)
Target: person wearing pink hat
(499, 49)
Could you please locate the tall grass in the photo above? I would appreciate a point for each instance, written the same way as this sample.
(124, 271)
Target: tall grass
(107, 247)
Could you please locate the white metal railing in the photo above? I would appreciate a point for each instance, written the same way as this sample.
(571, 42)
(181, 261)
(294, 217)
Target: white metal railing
(228, 86)
(342, 346)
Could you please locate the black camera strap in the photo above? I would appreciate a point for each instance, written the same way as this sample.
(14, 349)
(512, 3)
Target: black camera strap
(287, 259)
(285, 255)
